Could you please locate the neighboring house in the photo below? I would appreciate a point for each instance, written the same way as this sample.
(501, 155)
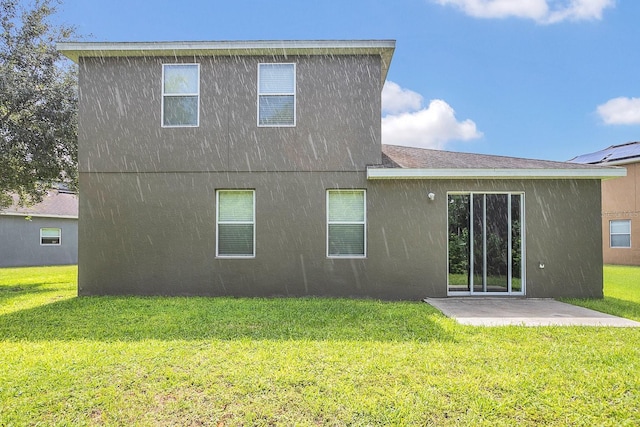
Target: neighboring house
(42, 234)
(620, 203)
(257, 169)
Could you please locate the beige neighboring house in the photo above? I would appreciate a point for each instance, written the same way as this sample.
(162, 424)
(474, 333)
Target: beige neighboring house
(620, 203)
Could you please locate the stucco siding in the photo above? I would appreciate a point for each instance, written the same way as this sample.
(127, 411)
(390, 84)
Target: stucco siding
(338, 117)
(157, 236)
(21, 241)
(621, 201)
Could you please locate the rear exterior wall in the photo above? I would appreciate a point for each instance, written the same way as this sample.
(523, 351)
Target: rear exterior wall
(158, 236)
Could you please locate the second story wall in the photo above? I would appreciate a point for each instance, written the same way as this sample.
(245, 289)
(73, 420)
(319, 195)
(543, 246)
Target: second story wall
(337, 116)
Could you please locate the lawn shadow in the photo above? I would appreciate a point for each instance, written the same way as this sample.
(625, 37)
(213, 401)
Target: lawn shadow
(195, 318)
(15, 291)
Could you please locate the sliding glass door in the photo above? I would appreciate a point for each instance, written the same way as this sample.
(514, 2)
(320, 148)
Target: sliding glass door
(485, 243)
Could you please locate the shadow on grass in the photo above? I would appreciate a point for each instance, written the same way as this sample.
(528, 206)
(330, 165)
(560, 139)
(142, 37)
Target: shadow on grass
(14, 291)
(157, 318)
(617, 307)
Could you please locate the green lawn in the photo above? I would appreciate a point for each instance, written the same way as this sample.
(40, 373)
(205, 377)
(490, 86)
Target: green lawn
(120, 361)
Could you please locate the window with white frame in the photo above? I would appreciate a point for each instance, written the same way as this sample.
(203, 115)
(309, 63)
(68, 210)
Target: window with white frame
(620, 233)
(50, 236)
(276, 94)
(346, 223)
(180, 95)
(235, 213)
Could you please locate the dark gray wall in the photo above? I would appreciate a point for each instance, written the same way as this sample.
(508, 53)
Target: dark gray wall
(147, 194)
(21, 241)
(338, 117)
(158, 236)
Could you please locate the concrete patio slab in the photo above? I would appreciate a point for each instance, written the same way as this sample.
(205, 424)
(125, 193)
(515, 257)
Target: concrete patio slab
(488, 311)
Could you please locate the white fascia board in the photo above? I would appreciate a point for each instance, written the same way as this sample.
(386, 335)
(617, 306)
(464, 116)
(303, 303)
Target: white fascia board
(407, 173)
(25, 214)
(384, 48)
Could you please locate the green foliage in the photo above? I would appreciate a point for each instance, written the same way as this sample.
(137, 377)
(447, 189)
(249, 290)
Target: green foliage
(94, 361)
(38, 102)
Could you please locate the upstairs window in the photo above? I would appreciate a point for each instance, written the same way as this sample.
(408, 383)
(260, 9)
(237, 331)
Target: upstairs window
(180, 95)
(50, 236)
(276, 95)
(620, 233)
(346, 223)
(235, 223)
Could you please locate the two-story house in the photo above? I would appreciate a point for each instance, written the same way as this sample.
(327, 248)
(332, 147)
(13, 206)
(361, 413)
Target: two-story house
(256, 168)
(620, 203)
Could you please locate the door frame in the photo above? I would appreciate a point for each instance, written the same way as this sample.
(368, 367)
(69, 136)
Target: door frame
(484, 292)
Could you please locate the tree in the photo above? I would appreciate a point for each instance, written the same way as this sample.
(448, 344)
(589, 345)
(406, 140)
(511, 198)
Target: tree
(38, 102)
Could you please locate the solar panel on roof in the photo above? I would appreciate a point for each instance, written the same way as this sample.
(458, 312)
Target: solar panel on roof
(610, 154)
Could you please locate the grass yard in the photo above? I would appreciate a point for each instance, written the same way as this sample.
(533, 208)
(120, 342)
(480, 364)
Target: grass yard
(125, 361)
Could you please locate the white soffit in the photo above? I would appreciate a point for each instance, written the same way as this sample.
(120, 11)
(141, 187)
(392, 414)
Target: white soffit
(569, 173)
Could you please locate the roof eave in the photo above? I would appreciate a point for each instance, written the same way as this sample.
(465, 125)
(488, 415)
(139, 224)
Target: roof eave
(384, 48)
(38, 215)
(469, 173)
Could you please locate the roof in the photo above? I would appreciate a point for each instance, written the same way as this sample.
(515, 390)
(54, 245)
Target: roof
(383, 48)
(57, 203)
(419, 163)
(615, 154)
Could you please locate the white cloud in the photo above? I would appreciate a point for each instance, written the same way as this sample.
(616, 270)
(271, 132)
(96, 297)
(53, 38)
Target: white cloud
(398, 100)
(414, 126)
(541, 11)
(620, 111)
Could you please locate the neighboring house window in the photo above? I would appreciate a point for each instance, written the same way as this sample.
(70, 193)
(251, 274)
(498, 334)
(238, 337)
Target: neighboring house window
(620, 233)
(276, 95)
(346, 223)
(235, 223)
(50, 236)
(180, 95)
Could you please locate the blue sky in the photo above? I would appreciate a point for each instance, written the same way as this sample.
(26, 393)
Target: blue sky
(547, 79)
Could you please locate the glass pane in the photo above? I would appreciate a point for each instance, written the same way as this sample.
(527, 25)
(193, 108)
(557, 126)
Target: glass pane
(478, 243)
(180, 110)
(276, 78)
(235, 206)
(50, 232)
(346, 239)
(277, 110)
(346, 206)
(621, 226)
(458, 208)
(497, 242)
(620, 240)
(516, 243)
(235, 239)
(181, 79)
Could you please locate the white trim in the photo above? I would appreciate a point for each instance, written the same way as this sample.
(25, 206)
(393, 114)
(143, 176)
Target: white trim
(363, 223)
(510, 292)
(383, 48)
(611, 234)
(59, 236)
(294, 93)
(253, 222)
(197, 95)
(424, 173)
(25, 214)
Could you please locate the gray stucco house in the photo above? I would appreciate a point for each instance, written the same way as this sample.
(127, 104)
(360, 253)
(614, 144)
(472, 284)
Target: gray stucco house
(43, 234)
(256, 168)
